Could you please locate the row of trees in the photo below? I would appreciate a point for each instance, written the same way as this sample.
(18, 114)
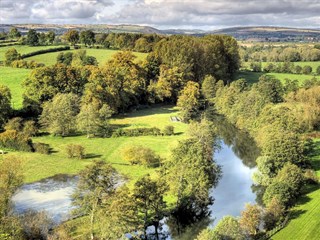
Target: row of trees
(275, 116)
(287, 53)
(285, 67)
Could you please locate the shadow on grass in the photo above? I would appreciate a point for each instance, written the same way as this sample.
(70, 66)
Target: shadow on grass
(296, 213)
(250, 77)
(92, 155)
(122, 164)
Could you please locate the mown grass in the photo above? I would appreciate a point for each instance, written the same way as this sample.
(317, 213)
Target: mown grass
(12, 78)
(102, 56)
(22, 49)
(305, 218)
(38, 166)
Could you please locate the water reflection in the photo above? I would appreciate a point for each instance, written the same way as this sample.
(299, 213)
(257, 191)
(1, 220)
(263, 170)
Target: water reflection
(52, 195)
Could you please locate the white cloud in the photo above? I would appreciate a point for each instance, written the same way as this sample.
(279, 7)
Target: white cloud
(166, 13)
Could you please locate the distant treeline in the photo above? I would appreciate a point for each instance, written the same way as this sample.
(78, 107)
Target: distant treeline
(288, 53)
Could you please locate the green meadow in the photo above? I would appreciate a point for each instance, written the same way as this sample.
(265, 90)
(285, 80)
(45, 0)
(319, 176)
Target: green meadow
(12, 78)
(38, 166)
(102, 56)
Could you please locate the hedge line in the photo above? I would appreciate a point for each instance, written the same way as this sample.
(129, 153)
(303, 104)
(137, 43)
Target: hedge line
(9, 44)
(137, 132)
(43, 51)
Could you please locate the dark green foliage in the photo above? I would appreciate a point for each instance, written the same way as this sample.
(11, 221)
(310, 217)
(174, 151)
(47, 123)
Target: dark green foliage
(26, 64)
(72, 36)
(75, 151)
(87, 37)
(42, 148)
(14, 33)
(281, 190)
(44, 51)
(135, 132)
(65, 58)
(306, 69)
(32, 38)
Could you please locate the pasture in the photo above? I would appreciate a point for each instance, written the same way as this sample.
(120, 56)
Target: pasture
(102, 56)
(38, 166)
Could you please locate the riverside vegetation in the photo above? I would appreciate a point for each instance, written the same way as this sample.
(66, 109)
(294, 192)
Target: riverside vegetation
(83, 104)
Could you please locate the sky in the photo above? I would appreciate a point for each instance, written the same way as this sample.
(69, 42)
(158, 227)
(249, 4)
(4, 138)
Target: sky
(165, 14)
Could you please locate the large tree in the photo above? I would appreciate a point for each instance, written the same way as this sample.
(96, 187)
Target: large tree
(59, 114)
(72, 36)
(96, 184)
(87, 37)
(32, 38)
(188, 101)
(5, 104)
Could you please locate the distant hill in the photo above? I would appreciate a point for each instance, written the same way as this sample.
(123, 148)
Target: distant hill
(258, 33)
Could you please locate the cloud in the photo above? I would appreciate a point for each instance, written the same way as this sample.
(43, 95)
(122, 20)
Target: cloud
(166, 13)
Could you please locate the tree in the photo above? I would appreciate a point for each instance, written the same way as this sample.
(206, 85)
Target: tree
(228, 228)
(65, 58)
(188, 101)
(59, 114)
(120, 216)
(50, 37)
(94, 121)
(209, 87)
(11, 178)
(273, 213)
(280, 190)
(32, 38)
(30, 129)
(250, 219)
(96, 184)
(148, 195)
(318, 70)
(14, 124)
(5, 104)
(87, 37)
(14, 33)
(138, 154)
(11, 55)
(72, 36)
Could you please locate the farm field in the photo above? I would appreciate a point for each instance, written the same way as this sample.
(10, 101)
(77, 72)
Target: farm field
(38, 166)
(305, 224)
(12, 78)
(22, 49)
(102, 56)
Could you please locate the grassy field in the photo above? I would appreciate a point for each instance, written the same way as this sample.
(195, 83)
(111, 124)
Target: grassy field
(38, 166)
(253, 77)
(22, 49)
(305, 218)
(12, 78)
(102, 56)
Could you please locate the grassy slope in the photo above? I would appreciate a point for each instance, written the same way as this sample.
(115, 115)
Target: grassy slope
(38, 166)
(305, 224)
(22, 49)
(12, 78)
(102, 56)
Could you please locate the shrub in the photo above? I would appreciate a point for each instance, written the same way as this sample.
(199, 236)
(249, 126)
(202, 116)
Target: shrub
(41, 148)
(75, 151)
(168, 130)
(140, 155)
(43, 51)
(311, 176)
(15, 140)
(26, 64)
(135, 132)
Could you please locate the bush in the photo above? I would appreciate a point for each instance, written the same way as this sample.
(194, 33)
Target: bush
(140, 155)
(26, 64)
(41, 148)
(168, 130)
(15, 140)
(43, 51)
(135, 132)
(75, 151)
(311, 176)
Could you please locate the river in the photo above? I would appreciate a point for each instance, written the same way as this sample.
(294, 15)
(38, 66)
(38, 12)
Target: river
(236, 159)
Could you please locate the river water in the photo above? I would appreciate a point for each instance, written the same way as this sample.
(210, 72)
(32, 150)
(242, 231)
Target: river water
(236, 159)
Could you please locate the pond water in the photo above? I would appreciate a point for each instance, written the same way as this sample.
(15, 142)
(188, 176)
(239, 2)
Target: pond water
(52, 195)
(236, 158)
